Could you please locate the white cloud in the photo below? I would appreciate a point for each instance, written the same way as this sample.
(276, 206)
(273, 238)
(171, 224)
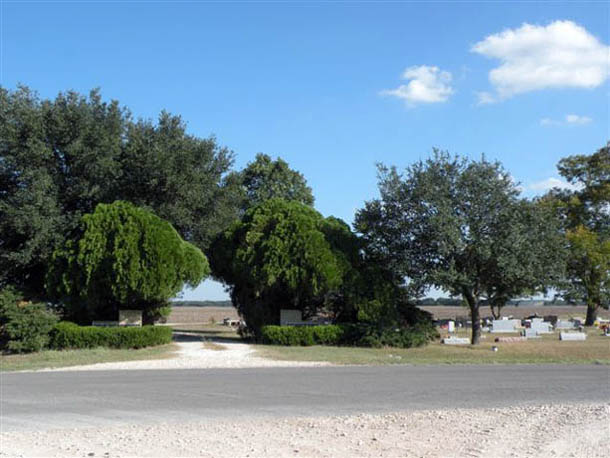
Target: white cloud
(485, 98)
(559, 55)
(570, 119)
(550, 183)
(549, 122)
(426, 85)
(575, 119)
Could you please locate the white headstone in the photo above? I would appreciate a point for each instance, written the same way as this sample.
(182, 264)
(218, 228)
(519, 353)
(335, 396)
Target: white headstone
(572, 336)
(505, 325)
(541, 327)
(563, 324)
(288, 317)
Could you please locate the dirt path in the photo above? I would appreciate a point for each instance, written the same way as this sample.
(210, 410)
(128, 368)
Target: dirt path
(193, 353)
(533, 431)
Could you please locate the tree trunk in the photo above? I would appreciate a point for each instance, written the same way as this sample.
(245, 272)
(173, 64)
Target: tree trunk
(495, 311)
(473, 304)
(591, 313)
(476, 324)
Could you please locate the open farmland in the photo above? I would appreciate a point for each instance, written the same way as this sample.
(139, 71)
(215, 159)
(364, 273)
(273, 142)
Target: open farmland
(188, 314)
(445, 312)
(200, 315)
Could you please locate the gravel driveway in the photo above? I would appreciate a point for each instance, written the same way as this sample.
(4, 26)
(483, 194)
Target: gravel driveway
(193, 354)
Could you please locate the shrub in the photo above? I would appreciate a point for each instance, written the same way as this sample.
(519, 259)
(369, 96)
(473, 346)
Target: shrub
(24, 327)
(349, 334)
(401, 337)
(302, 335)
(69, 335)
(123, 256)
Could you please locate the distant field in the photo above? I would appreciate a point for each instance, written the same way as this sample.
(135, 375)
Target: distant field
(444, 312)
(186, 314)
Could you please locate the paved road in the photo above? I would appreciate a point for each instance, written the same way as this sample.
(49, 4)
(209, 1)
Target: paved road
(46, 400)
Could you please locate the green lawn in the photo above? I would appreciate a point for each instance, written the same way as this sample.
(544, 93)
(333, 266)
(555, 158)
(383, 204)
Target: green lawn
(54, 359)
(595, 350)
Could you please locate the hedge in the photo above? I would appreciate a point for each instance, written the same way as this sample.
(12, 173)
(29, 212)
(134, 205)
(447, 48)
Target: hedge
(302, 335)
(349, 334)
(67, 335)
(24, 327)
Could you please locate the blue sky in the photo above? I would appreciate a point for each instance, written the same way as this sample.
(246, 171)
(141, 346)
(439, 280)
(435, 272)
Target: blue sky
(334, 88)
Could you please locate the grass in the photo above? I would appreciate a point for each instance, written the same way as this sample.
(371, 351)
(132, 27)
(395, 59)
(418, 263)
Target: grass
(54, 359)
(548, 349)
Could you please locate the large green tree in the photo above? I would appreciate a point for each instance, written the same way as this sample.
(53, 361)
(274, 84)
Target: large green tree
(278, 256)
(265, 178)
(459, 225)
(60, 158)
(528, 254)
(125, 257)
(585, 213)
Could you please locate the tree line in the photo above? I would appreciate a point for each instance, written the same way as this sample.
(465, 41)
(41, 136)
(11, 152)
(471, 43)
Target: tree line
(94, 201)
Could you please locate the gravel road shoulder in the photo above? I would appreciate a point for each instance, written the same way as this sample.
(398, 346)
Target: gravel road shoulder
(532, 431)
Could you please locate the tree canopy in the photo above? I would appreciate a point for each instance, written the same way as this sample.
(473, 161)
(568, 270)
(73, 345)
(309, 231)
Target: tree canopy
(459, 225)
(123, 257)
(277, 257)
(265, 179)
(585, 213)
(60, 158)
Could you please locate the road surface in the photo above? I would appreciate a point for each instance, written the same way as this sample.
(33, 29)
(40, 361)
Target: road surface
(49, 400)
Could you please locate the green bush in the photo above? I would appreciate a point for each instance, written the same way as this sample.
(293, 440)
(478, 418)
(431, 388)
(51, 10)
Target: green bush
(69, 335)
(302, 335)
(24, 327)
(401, 337)
(349, 334)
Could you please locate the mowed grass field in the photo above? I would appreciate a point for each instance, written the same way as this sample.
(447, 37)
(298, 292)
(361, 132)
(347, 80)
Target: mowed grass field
(204, 321)
(64, 358)
(547, 349)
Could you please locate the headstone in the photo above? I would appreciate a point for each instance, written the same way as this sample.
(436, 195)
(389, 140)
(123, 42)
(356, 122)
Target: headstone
(456, 341)
(505, 325)
(572, 336)
(451, 326)
(288, 317)
(130, 317)
(531, 334)
(565, 324)
(541, 326)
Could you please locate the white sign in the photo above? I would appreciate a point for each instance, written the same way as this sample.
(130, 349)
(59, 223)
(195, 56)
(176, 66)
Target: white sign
(288, 317)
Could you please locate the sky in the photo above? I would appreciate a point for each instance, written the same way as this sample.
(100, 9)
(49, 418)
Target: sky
(335, 87)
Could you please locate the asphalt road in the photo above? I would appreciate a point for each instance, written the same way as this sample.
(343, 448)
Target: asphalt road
(49, 400)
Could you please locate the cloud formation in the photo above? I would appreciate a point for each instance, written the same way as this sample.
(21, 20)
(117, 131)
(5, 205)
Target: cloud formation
(559, 55)
(575, 119)
(570, 119)
(426, 84)
(550, 183)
